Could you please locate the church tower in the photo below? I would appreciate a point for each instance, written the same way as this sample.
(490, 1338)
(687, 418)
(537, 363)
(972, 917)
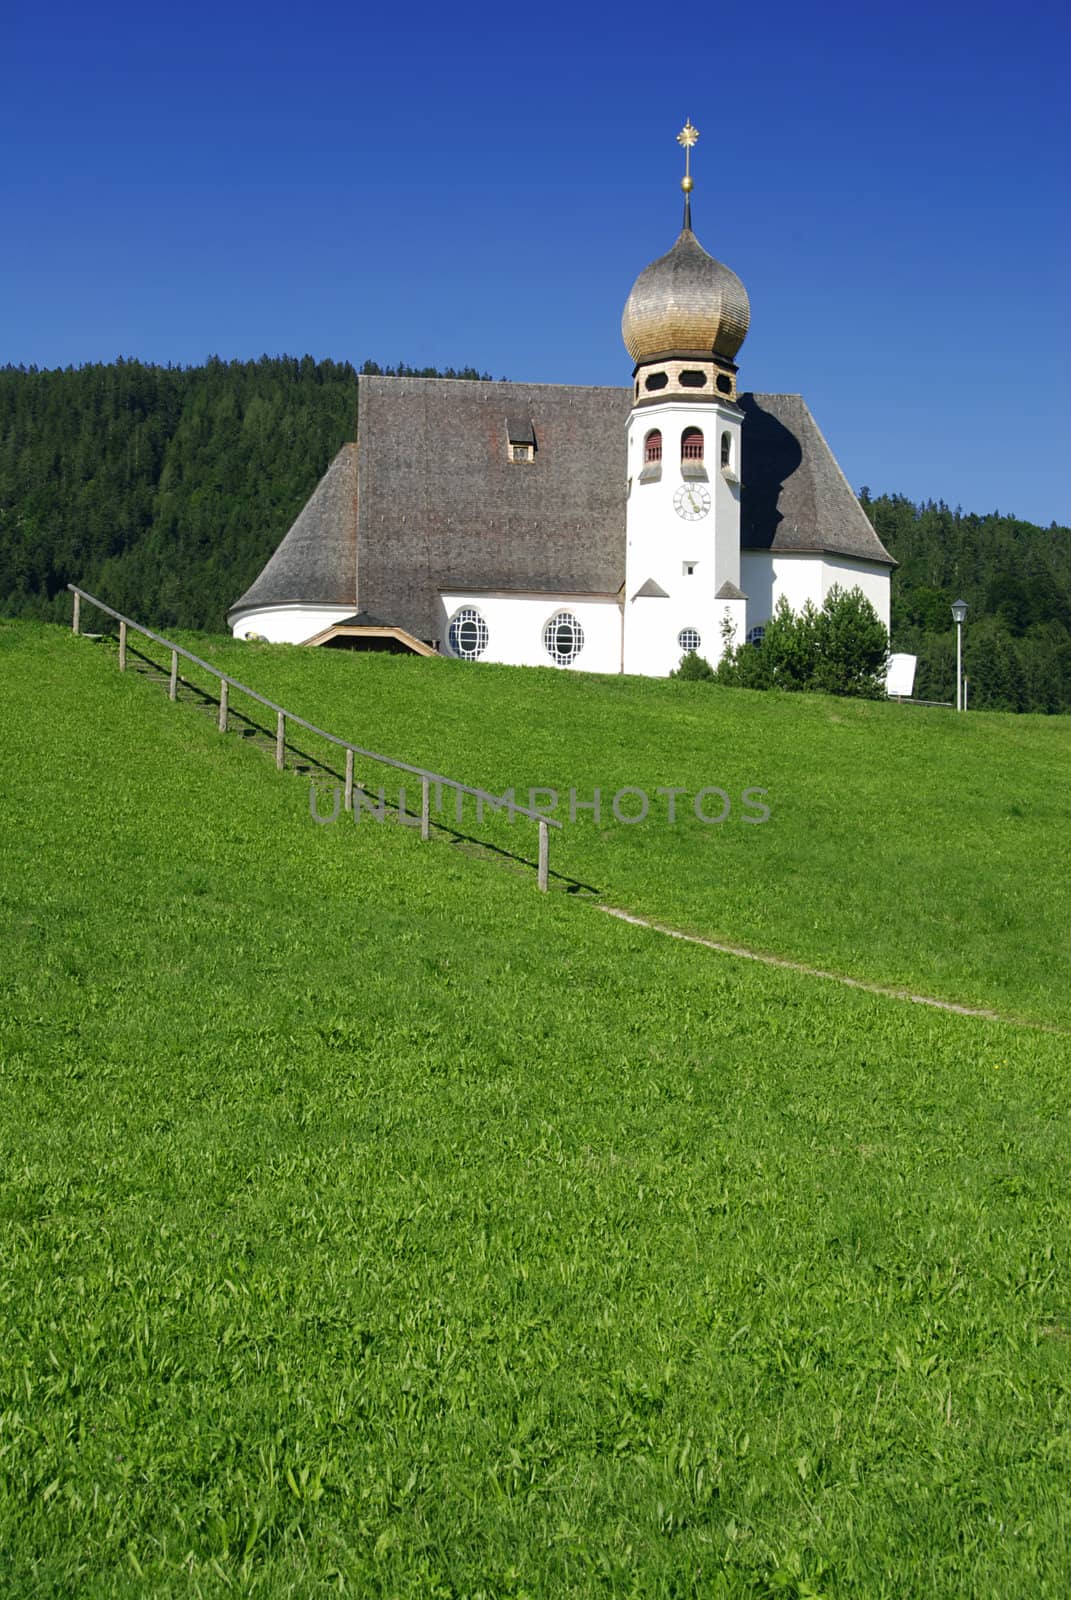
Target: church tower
(683, 324)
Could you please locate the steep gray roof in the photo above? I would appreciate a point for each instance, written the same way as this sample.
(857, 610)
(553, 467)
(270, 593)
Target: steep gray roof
(317, 561)
(440, 504)
(794, 495)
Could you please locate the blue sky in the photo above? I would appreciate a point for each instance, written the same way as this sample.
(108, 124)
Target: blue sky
(479, 185)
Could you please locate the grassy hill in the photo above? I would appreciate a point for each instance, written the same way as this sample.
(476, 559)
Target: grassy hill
(376, 1225)
(904, 845)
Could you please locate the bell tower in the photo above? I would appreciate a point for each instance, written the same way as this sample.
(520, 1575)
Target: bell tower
(683, 324)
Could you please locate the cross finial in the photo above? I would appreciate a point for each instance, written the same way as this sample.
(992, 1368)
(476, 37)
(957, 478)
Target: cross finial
(687, 137)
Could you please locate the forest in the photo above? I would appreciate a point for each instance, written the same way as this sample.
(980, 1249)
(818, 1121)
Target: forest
(165, 489)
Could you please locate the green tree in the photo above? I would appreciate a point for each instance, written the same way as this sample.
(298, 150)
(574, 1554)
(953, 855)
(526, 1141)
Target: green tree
(841, 649)
(694, 668)
(852, 647)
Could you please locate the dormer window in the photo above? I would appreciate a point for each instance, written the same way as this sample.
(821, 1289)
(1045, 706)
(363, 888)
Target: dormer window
(520, 435)
(652, 448)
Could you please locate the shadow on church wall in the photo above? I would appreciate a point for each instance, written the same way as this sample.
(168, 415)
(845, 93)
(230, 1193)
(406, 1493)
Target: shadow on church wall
(771, 454)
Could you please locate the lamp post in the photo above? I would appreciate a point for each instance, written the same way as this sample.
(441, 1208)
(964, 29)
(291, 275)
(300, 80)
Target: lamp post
(959, 611)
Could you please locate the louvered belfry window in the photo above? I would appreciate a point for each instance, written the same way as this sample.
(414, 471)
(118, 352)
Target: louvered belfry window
(652, 448)
(692, 444)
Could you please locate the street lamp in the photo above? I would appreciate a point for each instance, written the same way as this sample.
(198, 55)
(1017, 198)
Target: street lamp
(959, 611)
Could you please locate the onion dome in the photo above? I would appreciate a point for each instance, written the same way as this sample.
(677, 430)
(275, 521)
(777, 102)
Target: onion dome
(686, 303)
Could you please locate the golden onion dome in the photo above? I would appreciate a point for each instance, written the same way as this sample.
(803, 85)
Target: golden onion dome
(685, 303)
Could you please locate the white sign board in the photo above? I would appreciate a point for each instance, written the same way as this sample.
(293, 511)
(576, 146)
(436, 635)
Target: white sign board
(901, 676)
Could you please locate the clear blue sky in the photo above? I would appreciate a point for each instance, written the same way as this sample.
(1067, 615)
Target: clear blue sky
(480, 184)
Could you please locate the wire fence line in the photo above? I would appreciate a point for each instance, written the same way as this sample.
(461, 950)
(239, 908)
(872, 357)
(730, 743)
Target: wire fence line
(285, 718)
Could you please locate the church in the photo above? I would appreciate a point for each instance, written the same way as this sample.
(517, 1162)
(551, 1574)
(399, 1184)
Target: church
(597, 529)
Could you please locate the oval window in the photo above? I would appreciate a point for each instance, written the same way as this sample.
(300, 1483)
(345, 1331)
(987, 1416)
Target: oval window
(468, 634)
(563, 638)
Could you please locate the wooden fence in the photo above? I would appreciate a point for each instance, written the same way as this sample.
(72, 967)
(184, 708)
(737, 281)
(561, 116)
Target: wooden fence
(284, 718)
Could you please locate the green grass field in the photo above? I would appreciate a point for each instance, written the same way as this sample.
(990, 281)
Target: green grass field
(905, 845)
(375, 1225)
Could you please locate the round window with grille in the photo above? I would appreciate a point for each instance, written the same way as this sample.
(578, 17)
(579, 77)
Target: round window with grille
(688, 639)
(563, 638)
(468, 634)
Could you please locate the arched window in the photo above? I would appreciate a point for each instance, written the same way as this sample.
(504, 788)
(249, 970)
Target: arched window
(563, 638)
(726, 449)
(755, 636)
(468, 634)
(652, 448)
(689, 639)
(692, 444)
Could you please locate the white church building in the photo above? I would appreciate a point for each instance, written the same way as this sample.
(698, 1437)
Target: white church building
(598, 529)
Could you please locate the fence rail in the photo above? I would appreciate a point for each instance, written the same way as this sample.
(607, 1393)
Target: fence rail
(283, 718)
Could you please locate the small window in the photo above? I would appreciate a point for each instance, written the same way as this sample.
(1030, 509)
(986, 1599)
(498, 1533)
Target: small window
(689, 639)
(692, 379)
(652, 448)
(468, 634)
(755, 636)
(724, 383)
(726, 449)
(563, 638)
(692, 444)
(657, 380)
(688, 569)
(522, 452)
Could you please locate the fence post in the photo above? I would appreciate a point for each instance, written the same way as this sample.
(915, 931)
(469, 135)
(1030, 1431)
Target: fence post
(172, 688)
(348, 802)
(280, 741)
(544, 854)
(425, 809)
(223, 686)
(122, 647)
(76, 615)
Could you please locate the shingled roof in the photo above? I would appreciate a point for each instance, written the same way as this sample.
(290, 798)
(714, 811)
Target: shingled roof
(443, 505)
(317, 561)
(429, 499)
(794, 496)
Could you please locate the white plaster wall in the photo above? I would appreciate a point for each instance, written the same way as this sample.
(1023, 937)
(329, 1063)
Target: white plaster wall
(874, 581)
(515, 624)
(757, 582)
(288, 624)
(660, 544)
(765, 578)
(652, 629)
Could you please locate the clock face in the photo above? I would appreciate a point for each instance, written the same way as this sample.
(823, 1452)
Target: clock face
(692, 501)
